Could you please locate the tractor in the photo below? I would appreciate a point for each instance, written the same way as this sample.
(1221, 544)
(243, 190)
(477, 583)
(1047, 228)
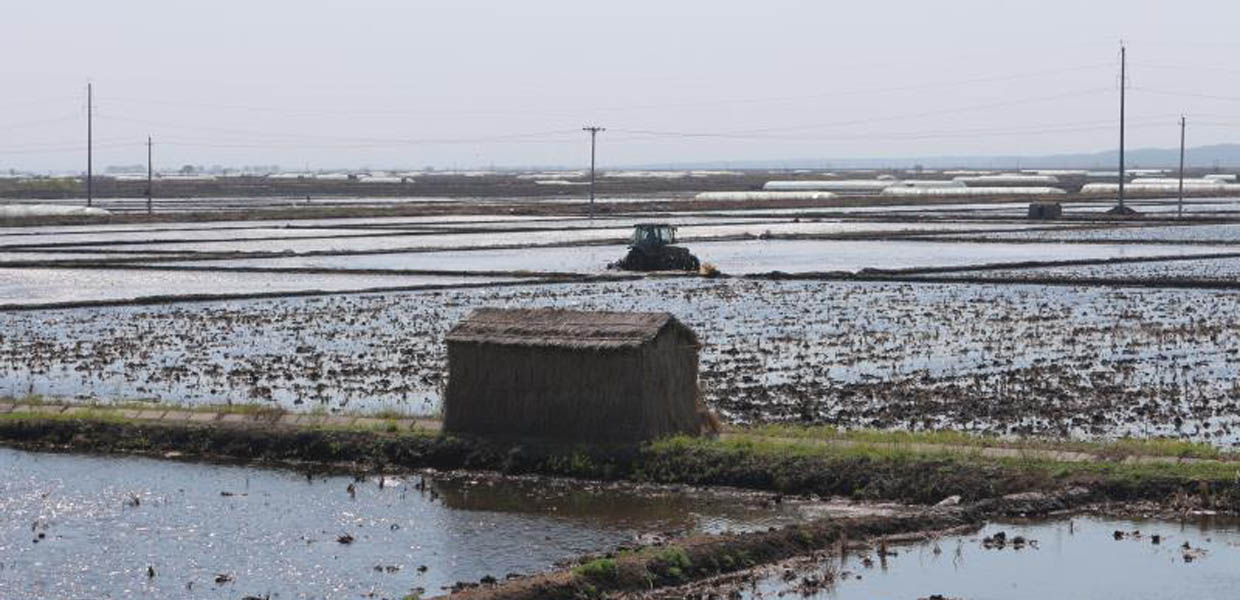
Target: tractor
(651, 249)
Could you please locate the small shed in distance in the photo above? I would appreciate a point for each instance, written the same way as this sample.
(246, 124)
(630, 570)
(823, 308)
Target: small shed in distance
(572, 375)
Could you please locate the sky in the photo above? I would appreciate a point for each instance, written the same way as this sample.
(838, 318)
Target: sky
(471, 84)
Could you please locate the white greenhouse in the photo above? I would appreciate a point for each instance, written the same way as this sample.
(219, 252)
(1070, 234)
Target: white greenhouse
(1157, 188)
(763, 196)
(973, 191)
(927, 183)
(840, 185)
(1008, 179)
(1176, 181)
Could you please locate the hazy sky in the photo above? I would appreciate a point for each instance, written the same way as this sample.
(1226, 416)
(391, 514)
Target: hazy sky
(466, 83)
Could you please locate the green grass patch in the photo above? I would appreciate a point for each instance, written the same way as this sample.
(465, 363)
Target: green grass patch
(269, 411)
(386, 413)
(90, 414)
(599, 569)
(671, 562)
(1111, 449)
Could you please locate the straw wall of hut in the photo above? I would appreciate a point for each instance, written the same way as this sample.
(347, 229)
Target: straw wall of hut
(572, 375)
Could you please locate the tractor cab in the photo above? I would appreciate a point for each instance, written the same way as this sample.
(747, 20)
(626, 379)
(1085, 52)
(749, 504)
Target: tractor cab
(653, 234)
(651, 249)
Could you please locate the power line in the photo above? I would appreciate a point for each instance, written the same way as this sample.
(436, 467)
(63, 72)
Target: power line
(293, 137)
(916, 115)
(893, 89)
(285, 110)
(65, 146)
(38, 101)
(1193, 67)
(347, 146)
(41, 122)
(1187, 94)
(931, 134)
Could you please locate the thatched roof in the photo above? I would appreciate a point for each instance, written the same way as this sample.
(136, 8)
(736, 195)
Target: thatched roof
(549, 327)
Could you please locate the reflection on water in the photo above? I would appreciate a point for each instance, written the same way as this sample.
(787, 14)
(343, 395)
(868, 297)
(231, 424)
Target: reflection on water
(88, 527)
(1072, 558)
(657, 509)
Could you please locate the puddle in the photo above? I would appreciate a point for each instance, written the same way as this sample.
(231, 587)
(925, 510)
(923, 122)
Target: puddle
(1076, 558)
(100, 522)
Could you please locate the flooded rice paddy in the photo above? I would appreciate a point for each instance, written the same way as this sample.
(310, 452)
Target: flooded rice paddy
(1082, 361)
(478, 236)
(1224, 270)
(50, 286)
(89, 527)
(114, 237)
(1081, 557)
(1200, 234)
(1050, 360)
(739, 257)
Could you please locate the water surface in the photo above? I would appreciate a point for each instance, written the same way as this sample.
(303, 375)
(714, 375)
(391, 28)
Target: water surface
(76, 526)
(1076, 558)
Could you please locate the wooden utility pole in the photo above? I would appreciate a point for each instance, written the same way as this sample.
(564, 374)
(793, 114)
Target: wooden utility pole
(90, 146)
(593, 134)
(1123, 83)
(149, 170)
(1180, 209)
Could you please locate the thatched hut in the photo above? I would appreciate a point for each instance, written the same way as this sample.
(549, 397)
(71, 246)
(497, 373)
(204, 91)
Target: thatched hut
(572, 375)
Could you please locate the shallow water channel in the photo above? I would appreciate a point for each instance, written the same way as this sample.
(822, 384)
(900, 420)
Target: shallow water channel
(75, 526)
(1068, 558)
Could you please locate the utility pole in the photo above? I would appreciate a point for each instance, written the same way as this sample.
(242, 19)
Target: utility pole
(149, 170)
(1123, 84)
(593, 134)
(1180, 210)
(90, 171)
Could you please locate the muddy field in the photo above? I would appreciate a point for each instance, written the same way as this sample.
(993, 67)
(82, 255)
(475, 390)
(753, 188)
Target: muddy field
(986, 354)
(1223, 271)
(985, 358)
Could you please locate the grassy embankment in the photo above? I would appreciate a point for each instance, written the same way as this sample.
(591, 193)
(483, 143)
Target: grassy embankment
(916, 467)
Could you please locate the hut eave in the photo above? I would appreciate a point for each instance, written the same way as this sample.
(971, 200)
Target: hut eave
(559, 328)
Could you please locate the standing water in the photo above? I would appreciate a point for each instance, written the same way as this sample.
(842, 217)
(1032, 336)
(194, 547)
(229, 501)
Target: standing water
(89, 527)
(1084, 557)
